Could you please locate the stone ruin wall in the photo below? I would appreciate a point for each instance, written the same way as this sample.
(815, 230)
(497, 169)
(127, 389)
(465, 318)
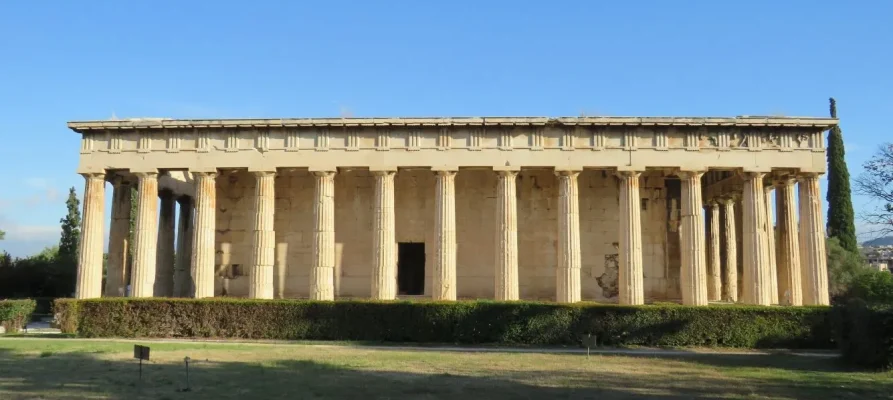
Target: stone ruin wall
(475, 224)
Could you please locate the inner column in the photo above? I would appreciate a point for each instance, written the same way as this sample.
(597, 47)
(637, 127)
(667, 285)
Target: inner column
(567, 273)
(693, 275)
(145, 236)
(444, 271)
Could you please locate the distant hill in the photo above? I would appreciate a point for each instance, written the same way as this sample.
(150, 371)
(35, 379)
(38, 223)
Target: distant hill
(884, 241)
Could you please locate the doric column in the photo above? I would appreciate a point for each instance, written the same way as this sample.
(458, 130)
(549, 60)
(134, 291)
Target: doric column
(630, 279)
(119, 239)
(730, 255)
(567, 274)
(694, 269)
(164, 264)
(814, 267)
(714, 267)
(790, 289)
(89, 275)
(322, 271)
(757, 282)
(263, 249)
(770, 246)
(506, 276)
(204, 235)
(145, 236)
(384, 239)
(182, 278)
(444, 279)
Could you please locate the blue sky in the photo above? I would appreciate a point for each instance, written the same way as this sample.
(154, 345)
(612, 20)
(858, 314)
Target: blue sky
(62, 61)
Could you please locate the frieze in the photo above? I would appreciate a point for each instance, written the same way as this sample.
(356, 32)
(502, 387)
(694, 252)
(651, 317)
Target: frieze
(534, 138)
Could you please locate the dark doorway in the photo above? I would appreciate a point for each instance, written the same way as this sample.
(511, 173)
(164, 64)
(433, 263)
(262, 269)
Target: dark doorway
(411, 268)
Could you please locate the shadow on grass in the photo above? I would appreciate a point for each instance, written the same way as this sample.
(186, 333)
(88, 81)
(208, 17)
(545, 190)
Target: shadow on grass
(50, 375)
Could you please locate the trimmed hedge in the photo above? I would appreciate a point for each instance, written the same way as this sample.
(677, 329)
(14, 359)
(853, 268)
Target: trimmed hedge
(14, 314)
(474, 322)
(865, 334)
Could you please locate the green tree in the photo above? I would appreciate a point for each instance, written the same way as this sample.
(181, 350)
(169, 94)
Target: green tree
(840, 202)
(71, 229)
(2, 235)
(844, 267)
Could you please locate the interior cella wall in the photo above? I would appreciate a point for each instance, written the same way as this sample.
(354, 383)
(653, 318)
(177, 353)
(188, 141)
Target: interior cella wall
(475, 224)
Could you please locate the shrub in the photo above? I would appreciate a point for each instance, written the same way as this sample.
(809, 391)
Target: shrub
(871, 286)
(865, 333)
(14, 314)
(478, 322)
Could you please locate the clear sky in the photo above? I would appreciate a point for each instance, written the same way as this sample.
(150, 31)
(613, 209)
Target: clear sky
(62, 61)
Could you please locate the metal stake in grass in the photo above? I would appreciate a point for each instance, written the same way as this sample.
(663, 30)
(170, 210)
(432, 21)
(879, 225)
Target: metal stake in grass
(186, 360)
(589, 341)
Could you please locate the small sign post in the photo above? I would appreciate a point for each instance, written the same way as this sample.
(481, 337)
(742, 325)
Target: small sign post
(141, 353)
(589, 341)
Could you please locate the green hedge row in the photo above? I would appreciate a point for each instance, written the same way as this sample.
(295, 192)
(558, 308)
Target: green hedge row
(14, 314)
(865, 333)
(478, 322)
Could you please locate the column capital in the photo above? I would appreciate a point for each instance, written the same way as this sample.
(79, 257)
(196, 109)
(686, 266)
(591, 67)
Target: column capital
(383, 172)
(753, 174)
(628, 174)
(117, 180)
(262, 174)
(445, 172)
(694, 174)
(146, 175)
(323, 173)
(808, 175)
(506, 173)
(204, 174)
(93, 175)
(382, 169)
(572, 173)
(782, 181)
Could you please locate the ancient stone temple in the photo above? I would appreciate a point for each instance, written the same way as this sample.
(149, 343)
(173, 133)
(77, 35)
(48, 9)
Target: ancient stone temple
(609, 209)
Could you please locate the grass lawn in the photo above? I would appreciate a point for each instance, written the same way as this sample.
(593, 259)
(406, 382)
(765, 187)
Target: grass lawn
(78, 369)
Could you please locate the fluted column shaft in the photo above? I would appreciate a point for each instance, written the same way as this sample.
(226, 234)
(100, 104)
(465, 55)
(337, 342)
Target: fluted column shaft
(89, 274)
(322, 271)
(263, 249)
(384, 239)
(164, 264)
(814, 267)
(630, 274)
(790, 288)
(182, 279)
(119, 240)
(204, 235)
(567, 274)
(714, 267)
(757, 281)
(730, 256)
(506, 274)
(694, 268)
(444, 279)
(145, 236)
(770, 246)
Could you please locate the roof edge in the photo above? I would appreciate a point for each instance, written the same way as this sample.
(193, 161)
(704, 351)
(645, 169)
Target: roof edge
(163, 123)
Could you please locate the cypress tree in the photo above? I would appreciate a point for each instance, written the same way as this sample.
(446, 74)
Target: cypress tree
(71, 229)
(840, 202)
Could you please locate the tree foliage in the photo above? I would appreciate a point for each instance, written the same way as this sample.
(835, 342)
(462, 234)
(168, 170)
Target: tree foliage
(840, 203)
(876, 182)
(843, 267)
(71, 229)
(2, 235)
